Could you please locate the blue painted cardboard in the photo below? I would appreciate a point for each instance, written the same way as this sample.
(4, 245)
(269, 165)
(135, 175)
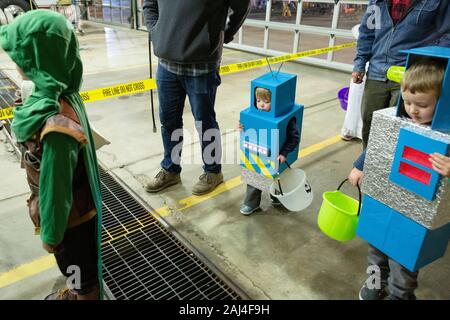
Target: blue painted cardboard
(265, 131)
(269, 133)
(441, 119)
(409, 138)
(400, 238)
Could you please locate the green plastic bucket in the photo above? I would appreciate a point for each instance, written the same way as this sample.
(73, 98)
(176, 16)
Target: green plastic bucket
(338, 215)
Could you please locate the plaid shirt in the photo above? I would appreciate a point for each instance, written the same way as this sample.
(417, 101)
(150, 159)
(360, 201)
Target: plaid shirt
(189, 69)
(398, 9)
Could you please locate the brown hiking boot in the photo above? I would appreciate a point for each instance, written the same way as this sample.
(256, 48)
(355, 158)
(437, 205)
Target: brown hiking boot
(162, 180)
(63, 294)
(207, 183)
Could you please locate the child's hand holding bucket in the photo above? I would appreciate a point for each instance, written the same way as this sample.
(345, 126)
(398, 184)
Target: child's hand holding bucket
(355, 177)
(281, 158)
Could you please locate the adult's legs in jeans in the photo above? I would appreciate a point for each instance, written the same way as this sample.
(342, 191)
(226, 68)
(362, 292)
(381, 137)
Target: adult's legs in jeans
(172, 96)
(377, 258)
(402, 282)
(377, 95)
(202, 95)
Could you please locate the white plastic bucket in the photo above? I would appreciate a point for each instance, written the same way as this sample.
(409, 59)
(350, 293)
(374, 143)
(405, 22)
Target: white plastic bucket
(296, 193)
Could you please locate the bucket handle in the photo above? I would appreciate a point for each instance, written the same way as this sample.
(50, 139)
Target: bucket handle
(359, 194)
(279, 184)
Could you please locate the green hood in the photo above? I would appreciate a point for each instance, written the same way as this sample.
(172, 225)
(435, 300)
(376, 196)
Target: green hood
(43, 44)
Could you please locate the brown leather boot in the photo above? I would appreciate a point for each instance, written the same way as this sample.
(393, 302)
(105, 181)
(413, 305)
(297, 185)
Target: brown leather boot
(162, 180)
(62, 294)
(207, 183)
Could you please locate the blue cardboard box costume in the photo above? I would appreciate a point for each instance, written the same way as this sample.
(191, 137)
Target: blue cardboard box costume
(265, 131)
(406, 205)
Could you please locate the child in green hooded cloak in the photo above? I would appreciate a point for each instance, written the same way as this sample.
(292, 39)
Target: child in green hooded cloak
(58, 152)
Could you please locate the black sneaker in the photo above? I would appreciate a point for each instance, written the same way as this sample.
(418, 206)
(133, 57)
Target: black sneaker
(247, 210)
(275, 202)
(372, 294)
(392, 297)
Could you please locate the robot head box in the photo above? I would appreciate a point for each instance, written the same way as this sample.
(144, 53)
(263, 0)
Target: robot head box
(265, 121)
(406, 206)
(441, 57)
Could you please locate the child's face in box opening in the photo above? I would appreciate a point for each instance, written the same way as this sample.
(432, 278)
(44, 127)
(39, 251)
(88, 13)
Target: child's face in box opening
(263, 103)
(420, 105)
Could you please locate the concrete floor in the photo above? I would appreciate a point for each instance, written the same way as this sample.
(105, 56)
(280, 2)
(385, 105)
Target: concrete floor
(272, 254)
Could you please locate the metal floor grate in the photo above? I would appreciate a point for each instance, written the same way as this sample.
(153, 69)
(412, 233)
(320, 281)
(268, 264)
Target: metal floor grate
(7, 91)
(7, 96)
(143, 260)
(121, 212)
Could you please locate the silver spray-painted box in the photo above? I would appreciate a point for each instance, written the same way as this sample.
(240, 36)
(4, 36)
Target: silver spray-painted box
(378, 165)
(256, 180)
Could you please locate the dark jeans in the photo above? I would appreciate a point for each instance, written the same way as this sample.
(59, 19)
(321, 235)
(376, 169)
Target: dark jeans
(400, 281)
(377, 95)
(79, 248)
(201, 90)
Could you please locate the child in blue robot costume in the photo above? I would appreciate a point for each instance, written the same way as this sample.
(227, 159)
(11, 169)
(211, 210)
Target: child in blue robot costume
(400, 243)
(270, 133)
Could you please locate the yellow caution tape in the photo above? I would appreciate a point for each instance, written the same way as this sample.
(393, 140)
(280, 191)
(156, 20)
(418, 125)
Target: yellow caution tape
(118, 90)
(395, 73)
(102, 93)
(237, 67)
(6, 113)
(148, 84)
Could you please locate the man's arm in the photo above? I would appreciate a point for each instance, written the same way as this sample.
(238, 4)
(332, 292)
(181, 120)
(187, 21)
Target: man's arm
(55, 185)
(443, 24)
(240, 9)
(151, 14)
(366, 37)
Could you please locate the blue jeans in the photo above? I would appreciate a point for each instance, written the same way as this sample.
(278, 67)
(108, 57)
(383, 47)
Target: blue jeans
(201, 90)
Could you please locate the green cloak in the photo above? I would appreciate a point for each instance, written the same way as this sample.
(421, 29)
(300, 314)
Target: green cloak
(43, 44)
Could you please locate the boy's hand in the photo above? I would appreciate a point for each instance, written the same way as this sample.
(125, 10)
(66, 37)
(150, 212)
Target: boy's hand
(281, 158)
(49, 248)
(240, 127)
(355, 177)
(441, 164)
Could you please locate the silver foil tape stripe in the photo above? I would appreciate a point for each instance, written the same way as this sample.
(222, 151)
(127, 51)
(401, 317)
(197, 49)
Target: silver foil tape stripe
(256, 180)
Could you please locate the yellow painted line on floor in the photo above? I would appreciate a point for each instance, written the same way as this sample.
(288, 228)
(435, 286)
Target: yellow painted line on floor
(46, 262)
(319, 146)
(226, 186)
(27, 270)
